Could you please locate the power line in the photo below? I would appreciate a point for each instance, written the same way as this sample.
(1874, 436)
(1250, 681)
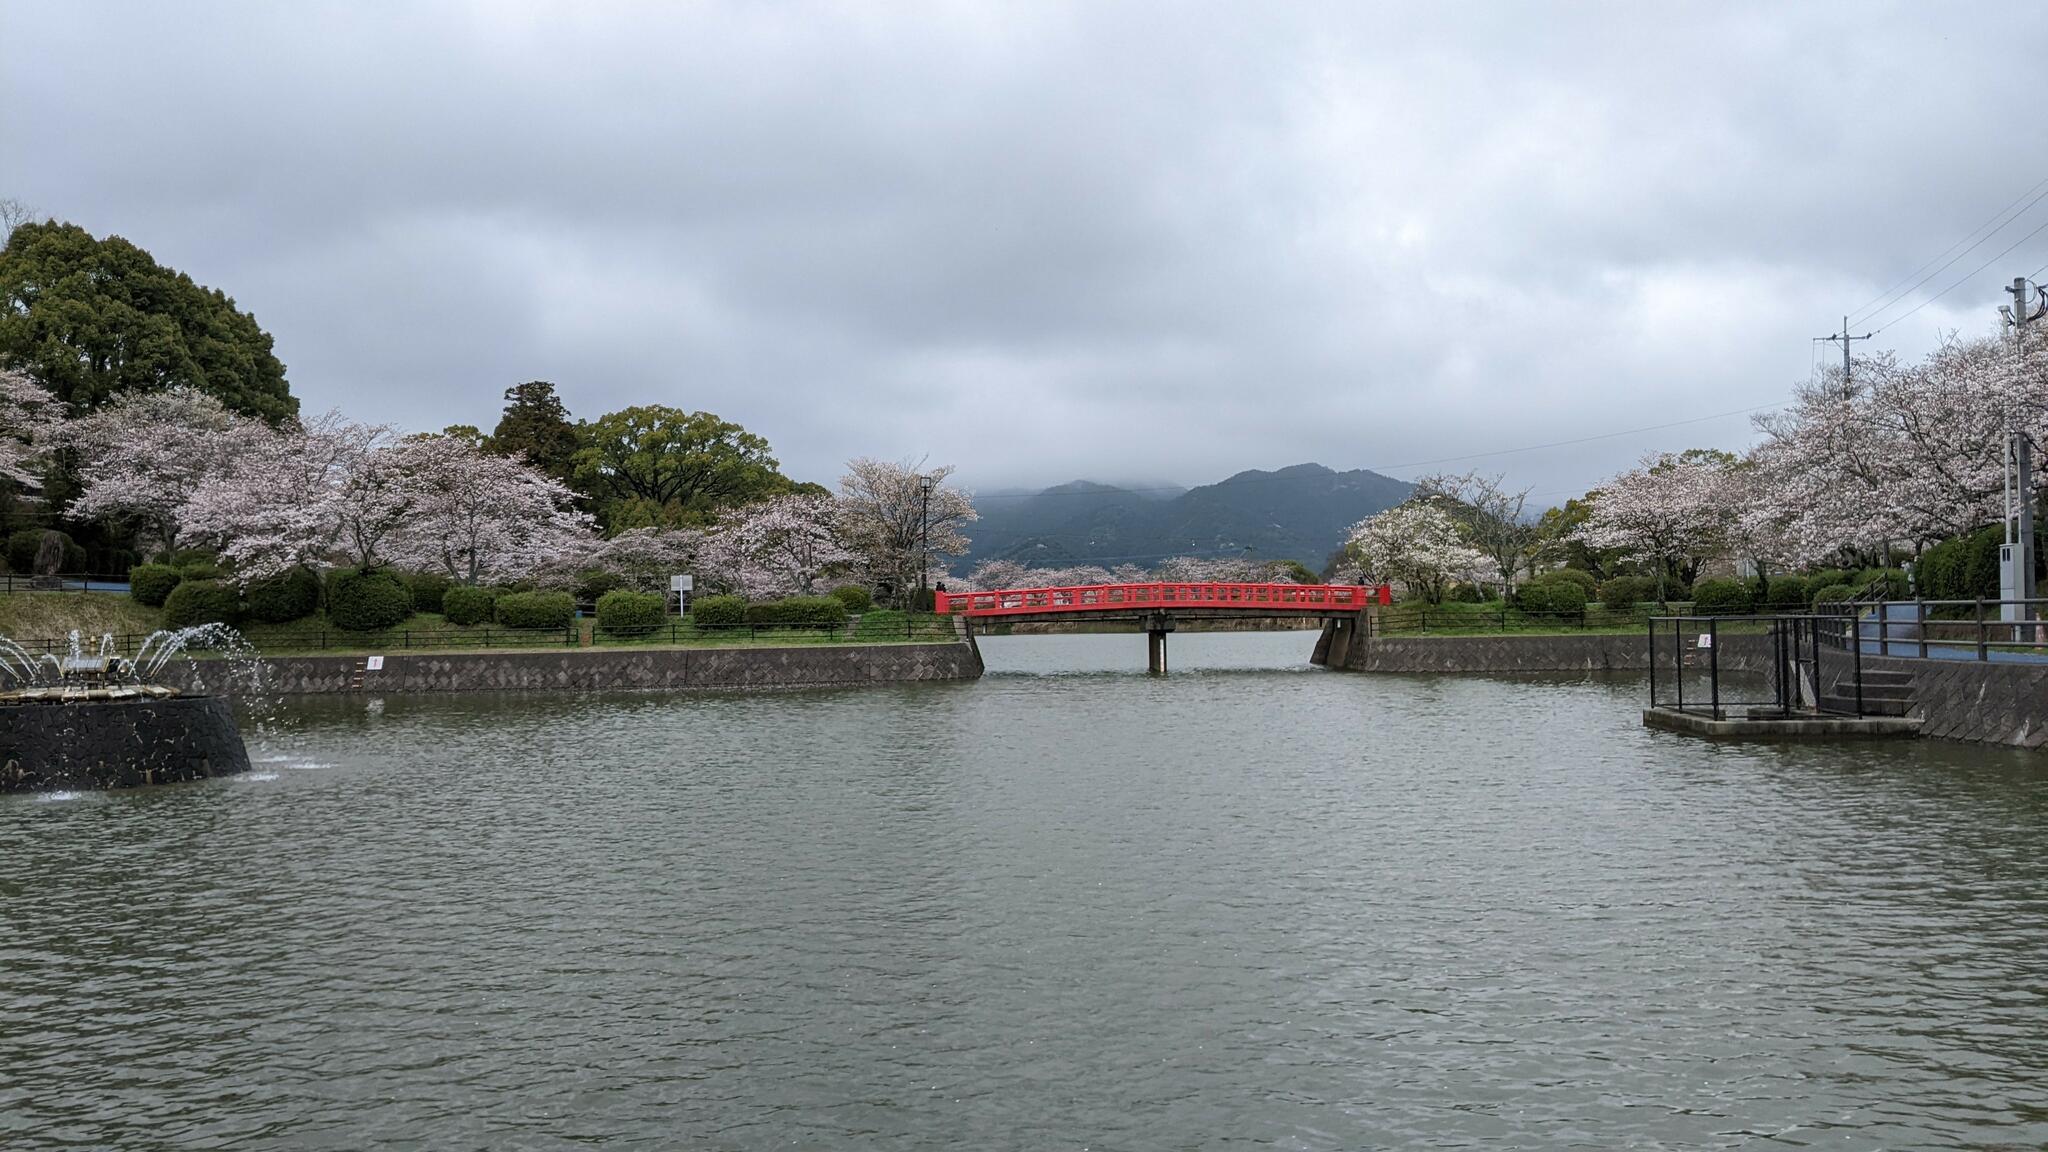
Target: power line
(2037, 191)
(2038, 229)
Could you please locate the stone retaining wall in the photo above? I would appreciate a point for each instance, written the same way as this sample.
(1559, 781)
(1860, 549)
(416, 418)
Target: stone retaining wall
(117, 743)
(1985, 703)
(1551, 653)
(630, 669)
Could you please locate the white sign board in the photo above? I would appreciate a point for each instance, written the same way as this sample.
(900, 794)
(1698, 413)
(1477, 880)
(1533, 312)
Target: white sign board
(1706, 639)
(374, 664)
(682, 584)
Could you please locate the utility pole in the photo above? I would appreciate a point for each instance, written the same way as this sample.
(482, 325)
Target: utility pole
(1846, 340)
(924, 533)
(2016, 555)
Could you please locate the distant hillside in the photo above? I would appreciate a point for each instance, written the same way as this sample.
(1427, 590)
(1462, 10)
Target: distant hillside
(1299, 513)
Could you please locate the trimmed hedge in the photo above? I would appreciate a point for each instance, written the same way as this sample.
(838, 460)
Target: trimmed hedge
(811, 611)
(360, 601)
(1579, 576)
(718, 611)
(151, 583)
(536, 610)
(287, 596)
(1552, 597)
(854, 597)
(1462, 593)
(1833, 594)
(203, 570)
(428, 589)
(466, 604)
(201, 602)
(626, 613)
(1623, 593)
(1722, 598)
(1787, 594)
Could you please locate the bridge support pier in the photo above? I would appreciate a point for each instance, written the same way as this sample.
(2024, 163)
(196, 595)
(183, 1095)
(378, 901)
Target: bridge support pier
(1156, 628)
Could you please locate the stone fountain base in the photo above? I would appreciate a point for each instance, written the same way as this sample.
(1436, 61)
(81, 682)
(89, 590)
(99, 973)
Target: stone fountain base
(48, 744)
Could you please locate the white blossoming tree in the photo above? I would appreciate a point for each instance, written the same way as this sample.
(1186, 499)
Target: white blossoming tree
(30, 422)
(1418, 545)
(478, 517)
(890, 526)
(142, 456)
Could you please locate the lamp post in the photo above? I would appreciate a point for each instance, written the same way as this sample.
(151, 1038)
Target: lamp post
(924, 534)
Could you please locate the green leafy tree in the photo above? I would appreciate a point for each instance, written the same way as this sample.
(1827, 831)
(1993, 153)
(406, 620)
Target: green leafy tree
(536, 425)
(93, 318)
(654, 465)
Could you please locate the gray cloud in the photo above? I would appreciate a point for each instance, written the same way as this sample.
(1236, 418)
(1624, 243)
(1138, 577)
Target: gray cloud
(1048, 241)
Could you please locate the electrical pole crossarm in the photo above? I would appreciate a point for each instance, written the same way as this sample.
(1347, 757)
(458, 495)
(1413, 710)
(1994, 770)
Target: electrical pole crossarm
(1846, 340)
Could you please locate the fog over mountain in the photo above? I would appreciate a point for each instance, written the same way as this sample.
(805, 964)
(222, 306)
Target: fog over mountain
(1299, 513)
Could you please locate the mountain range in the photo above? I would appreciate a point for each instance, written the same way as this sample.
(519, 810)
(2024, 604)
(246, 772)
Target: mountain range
(1299, 513)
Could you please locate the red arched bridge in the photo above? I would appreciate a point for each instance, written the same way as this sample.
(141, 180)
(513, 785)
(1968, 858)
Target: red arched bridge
(1155, 607)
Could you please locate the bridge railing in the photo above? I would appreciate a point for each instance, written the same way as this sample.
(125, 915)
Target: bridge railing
(1281, 598)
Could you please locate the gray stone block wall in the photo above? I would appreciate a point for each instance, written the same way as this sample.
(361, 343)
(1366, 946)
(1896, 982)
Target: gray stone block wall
(1984, 703)
(630, 669)
(1551, 653)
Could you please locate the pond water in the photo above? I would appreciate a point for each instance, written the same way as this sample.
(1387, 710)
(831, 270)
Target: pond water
(1066, 906)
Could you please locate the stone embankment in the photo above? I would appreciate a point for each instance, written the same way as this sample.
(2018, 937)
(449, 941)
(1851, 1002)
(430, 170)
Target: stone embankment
(627, 669)
(1987, 703)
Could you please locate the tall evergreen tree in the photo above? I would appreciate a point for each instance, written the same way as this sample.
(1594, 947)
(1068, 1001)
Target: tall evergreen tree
(93, 318)
(536, 425)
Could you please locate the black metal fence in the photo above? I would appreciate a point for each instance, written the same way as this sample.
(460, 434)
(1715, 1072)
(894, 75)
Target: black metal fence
(72, 583)
(1415, 617)
(1757, 665)
(1983, 630)
(281, 641)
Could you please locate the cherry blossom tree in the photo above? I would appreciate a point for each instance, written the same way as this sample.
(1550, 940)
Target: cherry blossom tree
(644, 558)
(476, 516)
(143, 455)
(30, 419)
(889, 525)
(1666, 513)
(782, 546)
(1417, 544)
(305, 494)
(1494, 517)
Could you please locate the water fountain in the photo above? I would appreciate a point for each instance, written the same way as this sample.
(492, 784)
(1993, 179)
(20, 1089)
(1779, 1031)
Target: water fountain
(90, 717)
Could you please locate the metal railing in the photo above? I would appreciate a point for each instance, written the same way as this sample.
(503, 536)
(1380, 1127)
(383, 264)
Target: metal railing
(1981, 630)
(75, 582)
(1792, 664)
(281, 641)
(1162, 596)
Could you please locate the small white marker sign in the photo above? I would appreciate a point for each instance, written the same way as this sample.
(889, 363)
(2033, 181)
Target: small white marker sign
(1706, 639)
(374, 664)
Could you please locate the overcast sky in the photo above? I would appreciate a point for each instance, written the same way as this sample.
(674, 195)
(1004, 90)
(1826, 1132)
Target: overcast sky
(1117, 241)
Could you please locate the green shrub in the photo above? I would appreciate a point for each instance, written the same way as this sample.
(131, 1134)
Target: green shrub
(1787, 594)
(813, 611)
(466, 604)
(201, 602)
(626, 613)
(151, 583)
(1623, 593)
(24, 545)
(367, 601)
(718, 611)
(428, 589)
(1827, 576)
(854, 597)
(292, 595)
(1552, 598)
(592, 585)
(1579, 576)
(1833, 594)
(203, 570)
(537, 610)
(1722, 597)
(1462, 593)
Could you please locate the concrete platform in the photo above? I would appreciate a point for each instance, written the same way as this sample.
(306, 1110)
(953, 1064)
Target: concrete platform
(1798, 727)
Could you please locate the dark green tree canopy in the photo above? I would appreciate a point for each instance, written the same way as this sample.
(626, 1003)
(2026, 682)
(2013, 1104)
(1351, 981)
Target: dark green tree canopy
(536, 425)
(659, 465)
(91, 318)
